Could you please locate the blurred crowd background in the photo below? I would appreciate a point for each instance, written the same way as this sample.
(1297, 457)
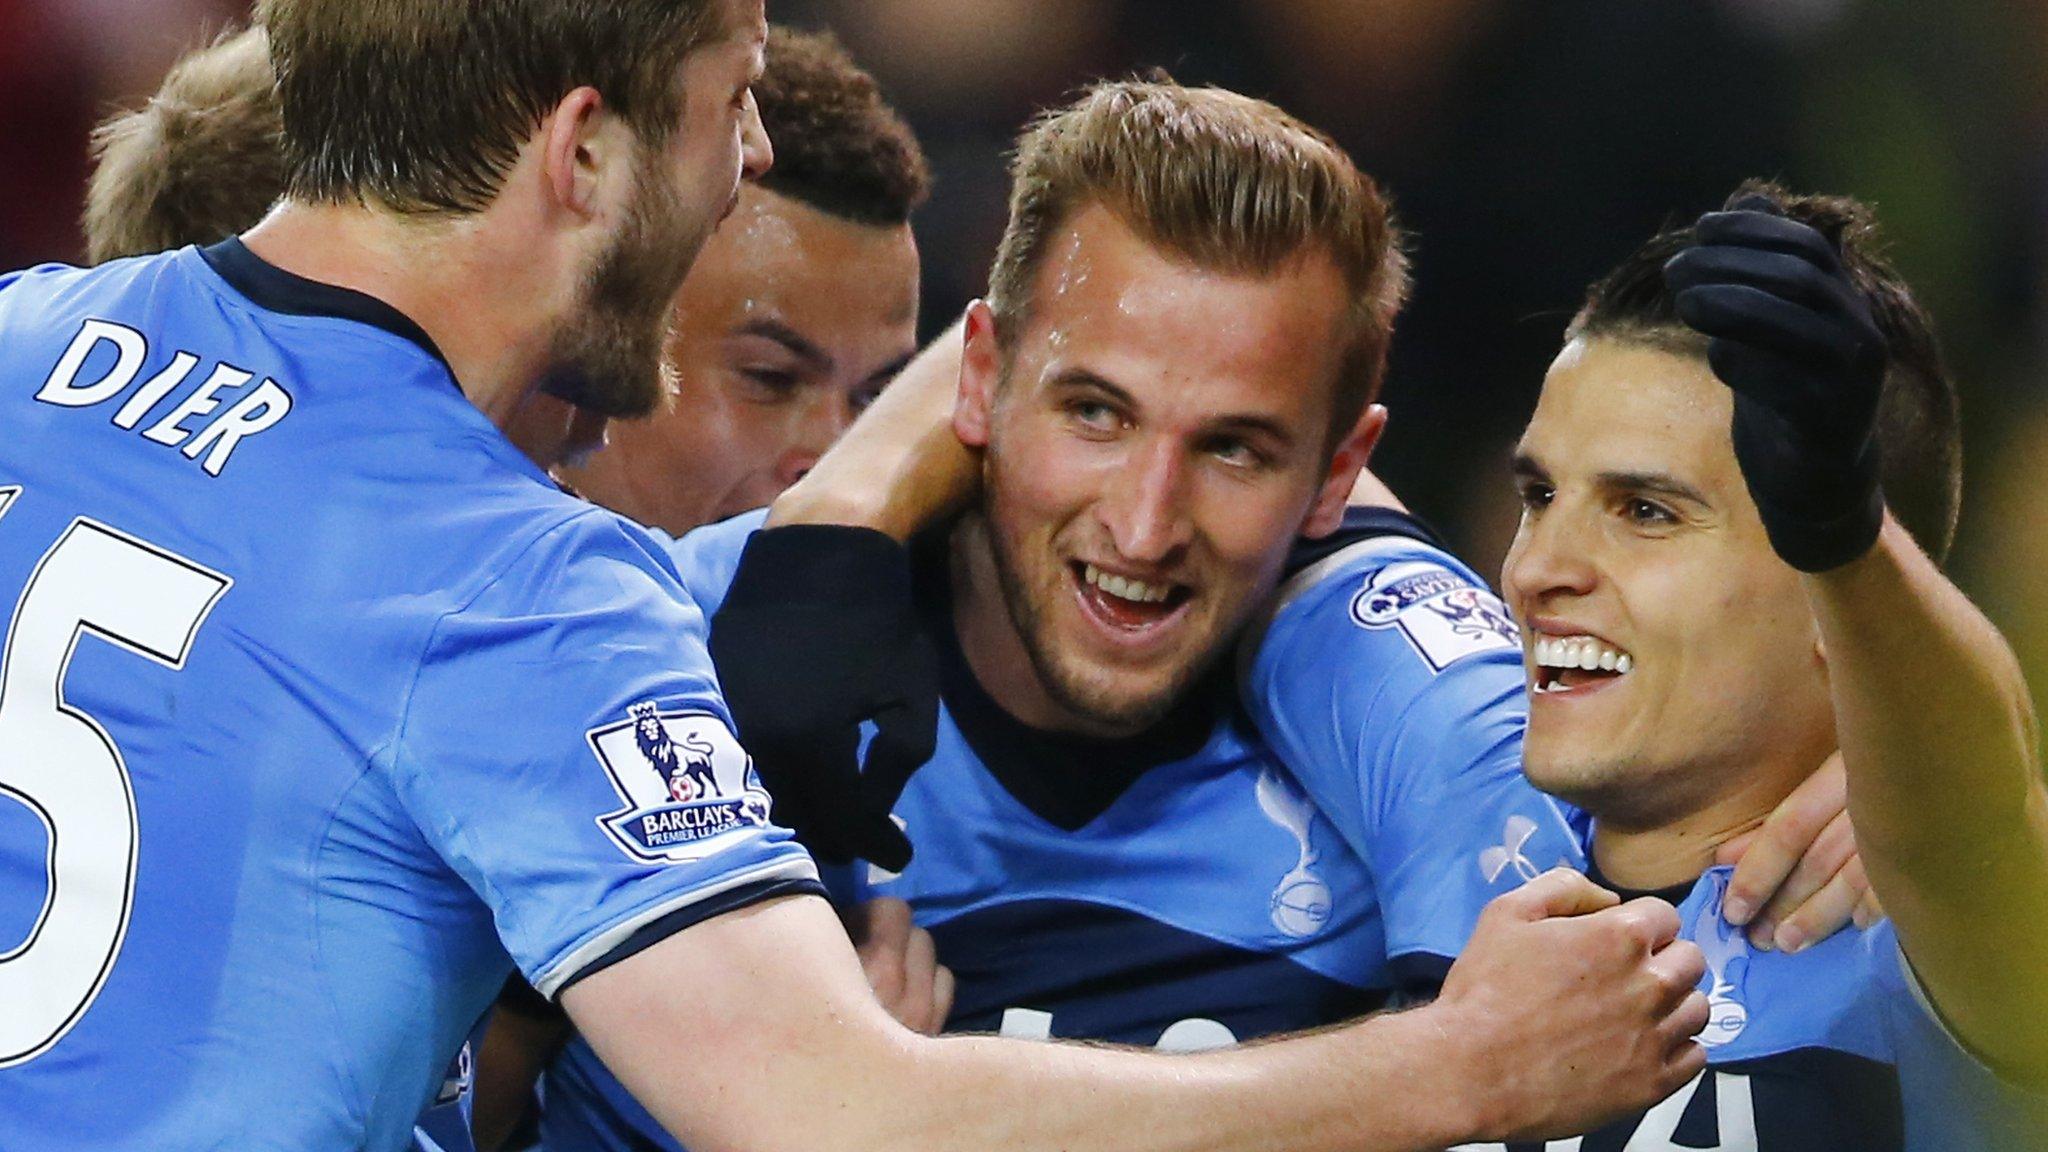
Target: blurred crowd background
(1529, 144)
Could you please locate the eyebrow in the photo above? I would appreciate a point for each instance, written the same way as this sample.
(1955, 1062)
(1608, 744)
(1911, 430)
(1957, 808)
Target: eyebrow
(1526, 467)
(1241, 423)
(790, 338)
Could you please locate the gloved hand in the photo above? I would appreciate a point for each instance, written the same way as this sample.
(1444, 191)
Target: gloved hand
(1795, 339)
(817, 634)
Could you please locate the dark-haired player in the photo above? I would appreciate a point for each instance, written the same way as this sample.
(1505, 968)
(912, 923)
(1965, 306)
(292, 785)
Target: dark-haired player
(1678, 686)
(326, 693)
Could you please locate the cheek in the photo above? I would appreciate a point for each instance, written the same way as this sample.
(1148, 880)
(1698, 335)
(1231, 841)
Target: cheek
(1250, 527)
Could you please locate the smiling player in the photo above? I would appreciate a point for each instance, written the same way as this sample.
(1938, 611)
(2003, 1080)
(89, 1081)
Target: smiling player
(1680, 683)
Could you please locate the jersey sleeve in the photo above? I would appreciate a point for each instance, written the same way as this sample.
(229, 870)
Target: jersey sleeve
(1390, 682)
(707, 559)
(565, 750)
(1953, 1099)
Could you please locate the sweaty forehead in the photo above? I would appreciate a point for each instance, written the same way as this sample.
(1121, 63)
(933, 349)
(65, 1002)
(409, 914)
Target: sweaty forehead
(1102, 291)
(1614, 406)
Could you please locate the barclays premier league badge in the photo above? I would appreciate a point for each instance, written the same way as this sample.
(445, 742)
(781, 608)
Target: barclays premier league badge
(1445, 616)
(686, 782)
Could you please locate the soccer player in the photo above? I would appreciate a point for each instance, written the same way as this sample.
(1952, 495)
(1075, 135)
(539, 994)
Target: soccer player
(1678, 691)
(325, 697)
(1090, 756)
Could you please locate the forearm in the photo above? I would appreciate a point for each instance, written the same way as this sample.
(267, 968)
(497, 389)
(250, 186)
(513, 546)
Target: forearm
(1945, 788)
(899, 468)
(1360, 1088)
(759, 1034)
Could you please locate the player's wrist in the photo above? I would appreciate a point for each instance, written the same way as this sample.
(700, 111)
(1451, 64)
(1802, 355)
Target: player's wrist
(1452, 1101)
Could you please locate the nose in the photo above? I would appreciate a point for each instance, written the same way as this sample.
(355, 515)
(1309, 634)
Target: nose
(814, 431)
(757, 152)
(1146, 510)
(1551, 556)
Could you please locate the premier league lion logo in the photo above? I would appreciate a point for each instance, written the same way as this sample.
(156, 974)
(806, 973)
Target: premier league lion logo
(688, 785)
(685, 767)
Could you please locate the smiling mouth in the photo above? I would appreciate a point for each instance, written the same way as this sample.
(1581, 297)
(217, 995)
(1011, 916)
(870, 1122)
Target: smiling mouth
(1125, 603)
(1565, 664)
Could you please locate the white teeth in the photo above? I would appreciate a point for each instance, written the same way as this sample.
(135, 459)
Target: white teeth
(1124, 588)
(1583, 652)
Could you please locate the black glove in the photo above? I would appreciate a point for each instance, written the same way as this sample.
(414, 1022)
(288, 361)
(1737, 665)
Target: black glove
(1794, 338)
(818, 634)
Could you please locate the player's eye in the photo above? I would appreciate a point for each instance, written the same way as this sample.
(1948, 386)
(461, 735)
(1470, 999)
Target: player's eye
(1094, 415)
(1536, 495)
(1236, 453)
(1648, 513)
(865, 396)
(770, 384)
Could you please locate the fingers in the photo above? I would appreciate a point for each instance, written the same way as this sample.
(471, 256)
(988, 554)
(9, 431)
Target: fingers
(1686, 1021)
(1792, 278)
(1755, 317)
(1769, 232)
(1558, 892)
(920, 977)
(1654, 925)
(1869, 910)
(1818, 868)
(1827, 911)
(1685, 1066)
(901, 963)
(1774, 850)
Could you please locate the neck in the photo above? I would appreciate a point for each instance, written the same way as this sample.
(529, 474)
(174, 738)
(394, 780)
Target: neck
(489, 306)
(989, 638)
(1649, 855)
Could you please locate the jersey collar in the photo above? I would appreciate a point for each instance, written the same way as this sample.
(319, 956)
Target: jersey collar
(276, 290)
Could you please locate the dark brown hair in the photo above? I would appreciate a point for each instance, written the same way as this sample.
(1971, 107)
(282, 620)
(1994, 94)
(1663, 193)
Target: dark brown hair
(422, 105)
(838, 146)
(1919, 426)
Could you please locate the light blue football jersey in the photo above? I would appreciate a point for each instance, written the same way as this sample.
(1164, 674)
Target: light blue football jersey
(1180, 890)
(321, 708)
(1391, 681)
(1828, 1050)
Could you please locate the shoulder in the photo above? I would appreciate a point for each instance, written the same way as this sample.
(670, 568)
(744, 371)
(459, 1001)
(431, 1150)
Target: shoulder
(1385, 579)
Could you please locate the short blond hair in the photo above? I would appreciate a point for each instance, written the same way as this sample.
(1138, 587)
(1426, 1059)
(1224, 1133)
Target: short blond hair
(1222, 180)
(199, 163)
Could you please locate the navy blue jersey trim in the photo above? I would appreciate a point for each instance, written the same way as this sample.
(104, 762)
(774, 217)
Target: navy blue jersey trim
(1064, 779)
(521, 998)
(1674, 895)
(1362, 524)
(276, 290)
(655, 932)
(1419, 975)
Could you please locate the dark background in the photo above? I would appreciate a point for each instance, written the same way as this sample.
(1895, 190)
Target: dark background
(1528, 144)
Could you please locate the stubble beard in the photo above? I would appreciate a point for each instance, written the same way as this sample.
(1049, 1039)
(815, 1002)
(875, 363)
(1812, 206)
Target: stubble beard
(1092, 700)
(608, 359)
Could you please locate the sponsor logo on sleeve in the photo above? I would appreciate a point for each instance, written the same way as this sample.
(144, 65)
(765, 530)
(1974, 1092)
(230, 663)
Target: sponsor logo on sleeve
(1444, 616)
(688, 786)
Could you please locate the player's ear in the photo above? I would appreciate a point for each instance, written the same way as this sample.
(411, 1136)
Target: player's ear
(585, 154)
(1327, 513)
(981, 371)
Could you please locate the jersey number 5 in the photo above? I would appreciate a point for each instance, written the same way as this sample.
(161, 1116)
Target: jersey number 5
(64, 767)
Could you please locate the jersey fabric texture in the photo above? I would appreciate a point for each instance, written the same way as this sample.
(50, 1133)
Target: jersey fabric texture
(1829, 1050)
(1179, 890)
(322, 707)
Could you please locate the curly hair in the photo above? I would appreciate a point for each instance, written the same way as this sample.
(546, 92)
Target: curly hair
(838, 146)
